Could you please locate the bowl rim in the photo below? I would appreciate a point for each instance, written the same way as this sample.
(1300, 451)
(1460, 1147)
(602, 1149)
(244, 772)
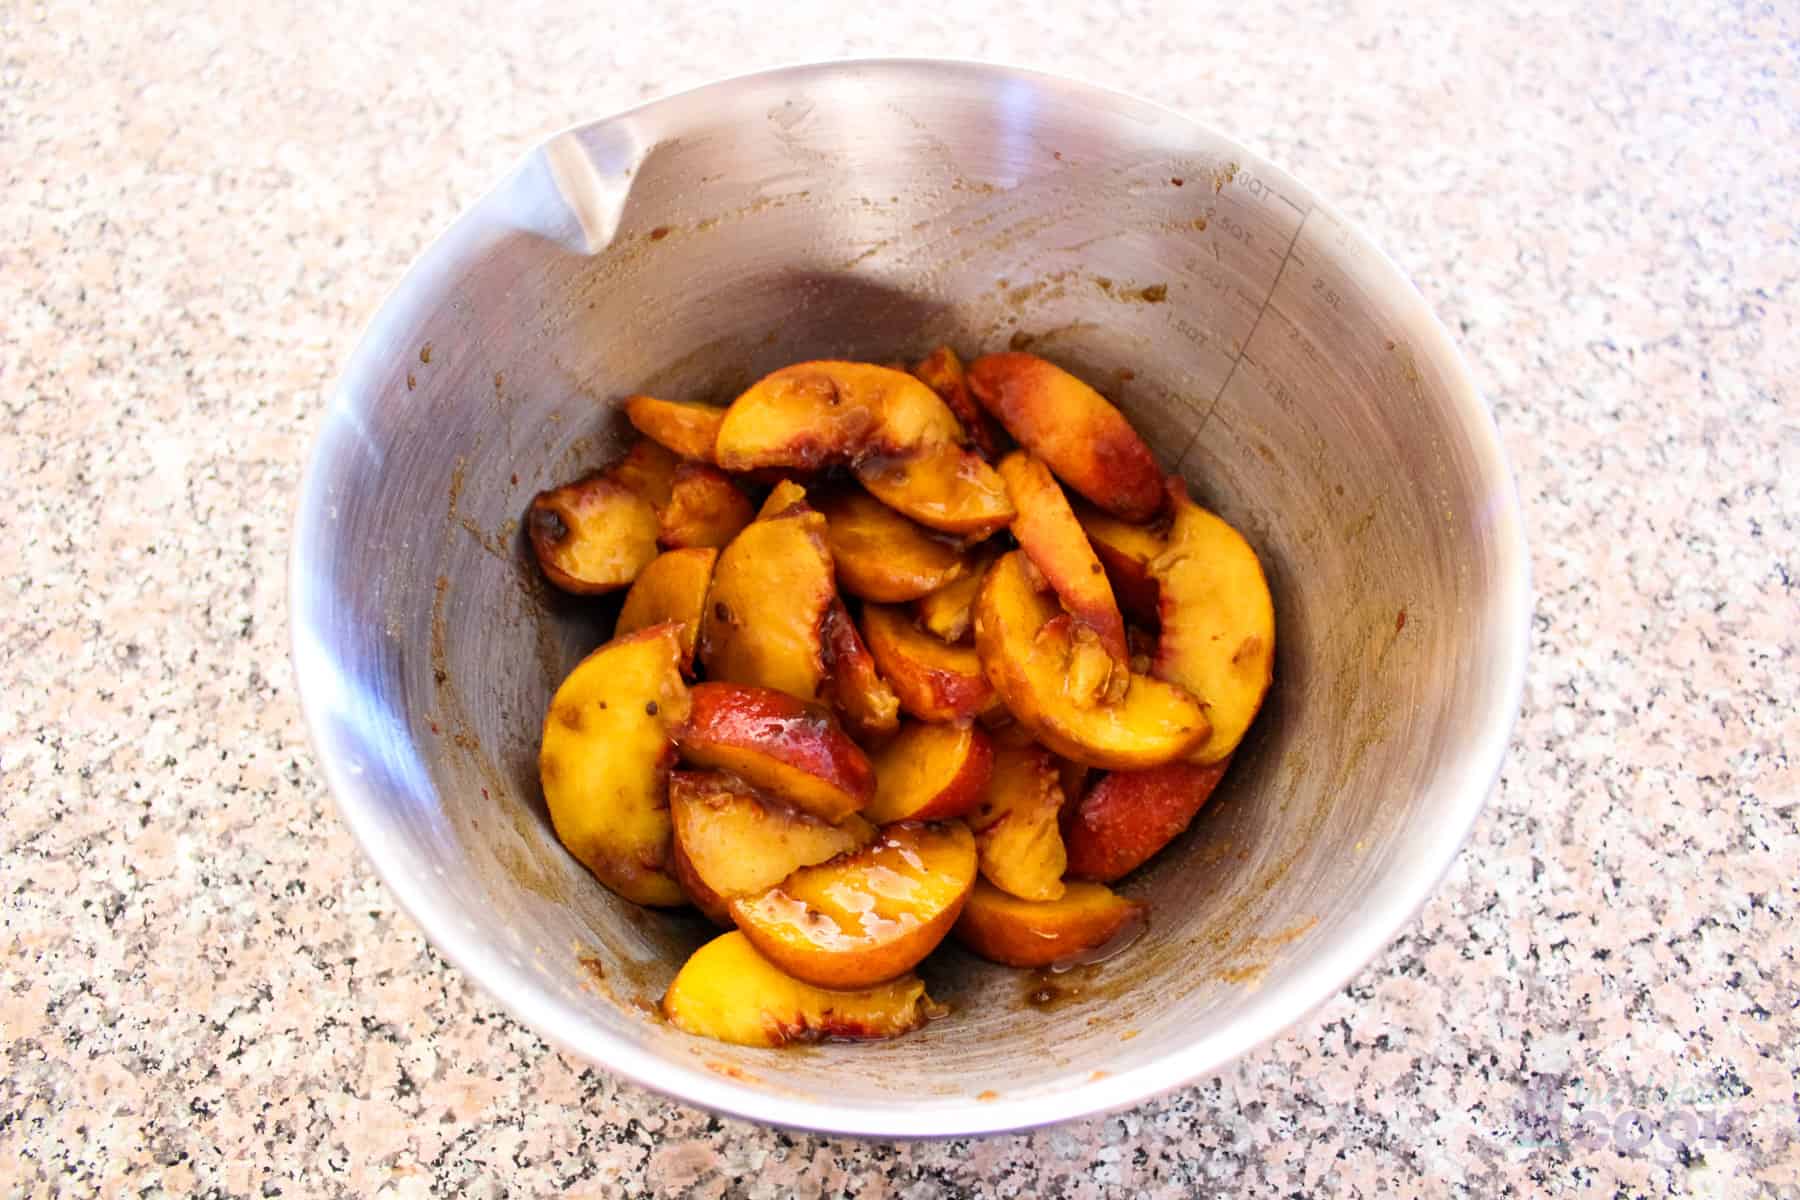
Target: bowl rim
(1283, 1006)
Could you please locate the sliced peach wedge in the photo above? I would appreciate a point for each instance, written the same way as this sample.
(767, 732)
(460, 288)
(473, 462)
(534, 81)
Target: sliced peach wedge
(605, 758)
(672, 588)
(868, 916)
(1084, 439)
(945, 487)
(732, 841)
(880, 555)
(1053, 539)
(713, 906)
(1126, 551)
(814, 415)
(1031, 654)
(594, 535)
(704, 509)
(864, 699)
(777, 742)
(729, 992)
(785, 499)
(1129, 815)
(686, 429)
(1218, 622)
(902, 440)
(1017, 839)
(949, 612)
(942, 371)
(1002, 928)
(929, 772)
(934, 681)
(772, 588)
(648, 470)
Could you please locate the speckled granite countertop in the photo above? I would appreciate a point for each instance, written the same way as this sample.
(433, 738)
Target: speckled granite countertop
(205, 991)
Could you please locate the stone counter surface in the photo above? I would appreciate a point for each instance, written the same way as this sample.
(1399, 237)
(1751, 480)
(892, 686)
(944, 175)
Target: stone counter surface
(204, 990)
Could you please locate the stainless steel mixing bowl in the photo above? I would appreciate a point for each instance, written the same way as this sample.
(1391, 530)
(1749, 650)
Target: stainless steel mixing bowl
(869, 210)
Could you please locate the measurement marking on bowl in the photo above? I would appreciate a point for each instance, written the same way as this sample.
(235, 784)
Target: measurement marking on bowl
(1237, 350)
(1259, 189)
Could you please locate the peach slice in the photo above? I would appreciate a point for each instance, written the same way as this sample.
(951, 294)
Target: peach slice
(1126, 551)
(1052, 538)
(704, 509)
(857, 689)
(1030, 652)
(648, 470)
(687, 429)
(933, 681)
(1039, 933)
(1218, 622)
(774, 741)
(868, 916)
(672, 588)
(944, 487)
(771, 590)
(1130, 815)
(1017, 839)
(593, 535)
(605, 759)
(728, 992)
(880, 555)
(730, 841)
(783, 499)
(902, 440)
(929, 772)
(949, 612)
(814, 415)
(942, 371)
(589, 535)
(712, 906)
(1084, 439)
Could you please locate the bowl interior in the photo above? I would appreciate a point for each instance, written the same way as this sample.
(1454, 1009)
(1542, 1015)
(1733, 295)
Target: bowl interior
(1267, 352)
